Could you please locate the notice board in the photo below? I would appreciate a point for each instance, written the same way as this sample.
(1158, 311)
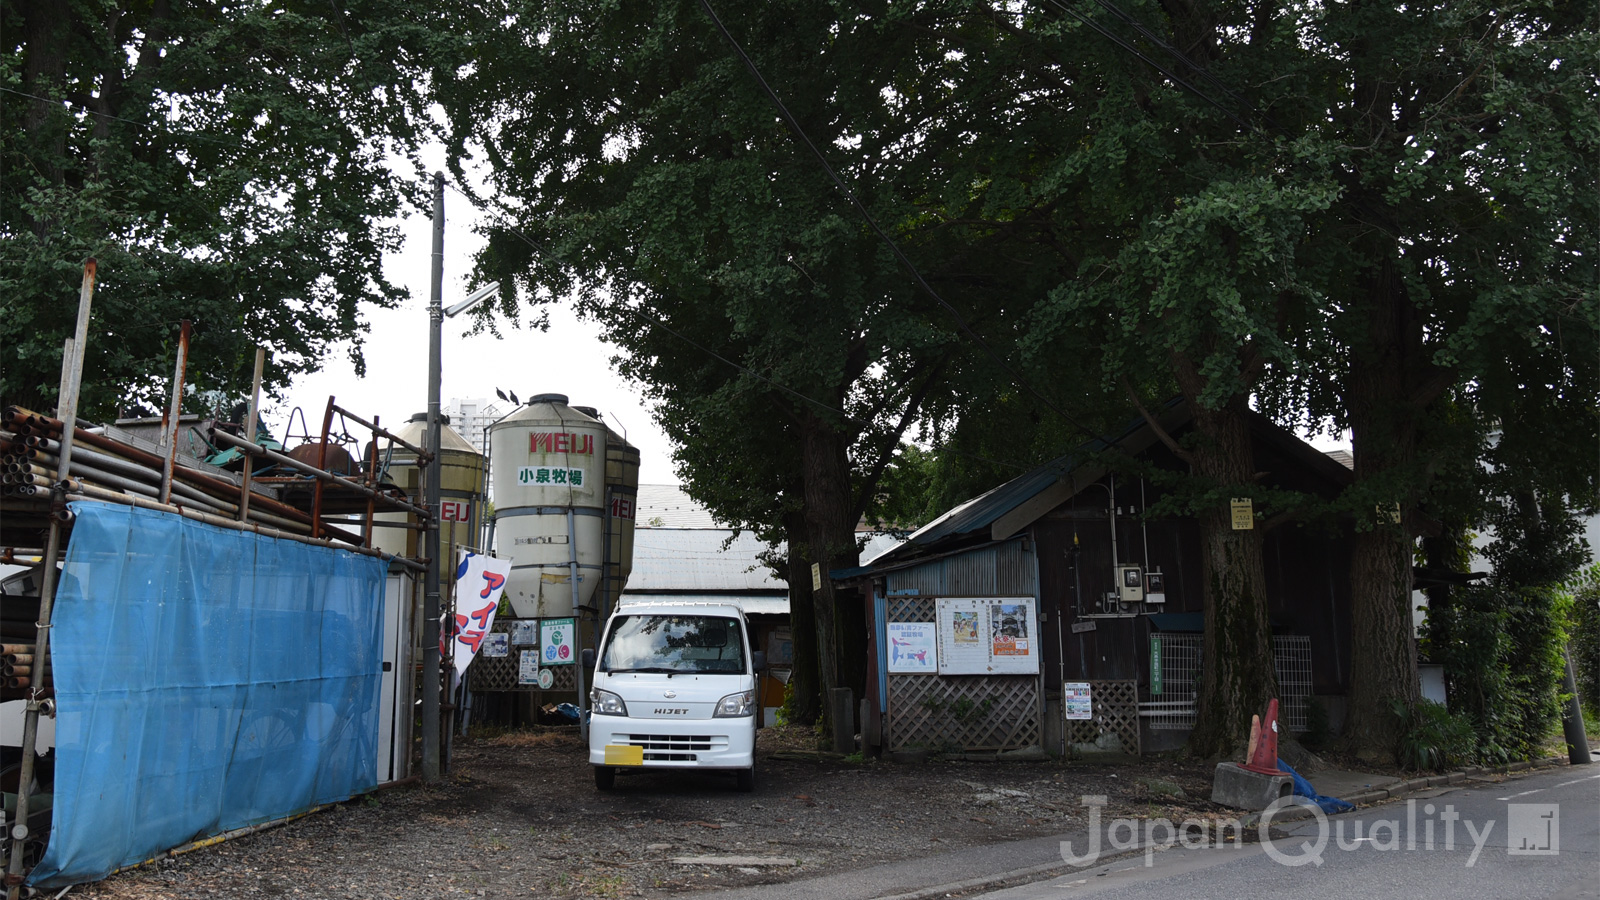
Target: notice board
(987, 636)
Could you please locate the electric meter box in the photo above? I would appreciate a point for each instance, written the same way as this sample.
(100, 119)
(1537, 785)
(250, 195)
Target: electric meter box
(1155, 587)
(1130, 584)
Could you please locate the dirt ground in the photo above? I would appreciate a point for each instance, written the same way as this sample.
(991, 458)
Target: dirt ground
(519, 816)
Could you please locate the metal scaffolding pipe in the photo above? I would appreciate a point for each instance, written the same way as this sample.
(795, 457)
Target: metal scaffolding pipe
(282, 459)
(216, 487)
(91, 492)
(421, 454)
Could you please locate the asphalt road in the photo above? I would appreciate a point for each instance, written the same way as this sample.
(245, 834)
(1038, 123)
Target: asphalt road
(1533, 837)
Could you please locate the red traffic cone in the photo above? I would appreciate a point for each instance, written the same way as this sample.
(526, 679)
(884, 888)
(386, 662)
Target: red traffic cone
(1264, 759)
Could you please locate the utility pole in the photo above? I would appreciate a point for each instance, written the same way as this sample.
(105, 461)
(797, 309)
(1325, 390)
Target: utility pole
(430, 602)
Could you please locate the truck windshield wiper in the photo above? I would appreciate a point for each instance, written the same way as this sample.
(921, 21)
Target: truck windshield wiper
(656, 670)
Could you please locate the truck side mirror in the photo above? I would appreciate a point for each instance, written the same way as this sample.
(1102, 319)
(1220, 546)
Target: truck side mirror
(587, 657)
(758, 660)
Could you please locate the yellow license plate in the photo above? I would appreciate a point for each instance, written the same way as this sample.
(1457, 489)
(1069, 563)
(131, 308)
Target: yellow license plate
(623, 755)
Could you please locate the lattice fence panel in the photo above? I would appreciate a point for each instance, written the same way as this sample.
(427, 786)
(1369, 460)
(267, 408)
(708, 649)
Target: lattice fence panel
(970, 712)
(1115, 707)
(490, 674)
(911, 609)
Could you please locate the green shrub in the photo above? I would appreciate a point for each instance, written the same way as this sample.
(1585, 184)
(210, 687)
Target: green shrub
(1432, 738)
(1583, 639)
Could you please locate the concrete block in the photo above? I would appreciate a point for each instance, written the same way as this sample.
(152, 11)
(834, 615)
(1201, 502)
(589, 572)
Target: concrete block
(1240, 788)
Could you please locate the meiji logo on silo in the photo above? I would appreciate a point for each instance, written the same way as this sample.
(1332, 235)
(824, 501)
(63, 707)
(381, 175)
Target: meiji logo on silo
(560, 442)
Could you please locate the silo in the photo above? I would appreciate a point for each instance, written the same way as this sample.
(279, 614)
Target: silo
(460, 490)
(622, 496)
(622, 500)
(549, 489)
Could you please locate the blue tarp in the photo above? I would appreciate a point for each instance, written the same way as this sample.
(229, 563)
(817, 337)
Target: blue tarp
(206, 679)
(1303, 788)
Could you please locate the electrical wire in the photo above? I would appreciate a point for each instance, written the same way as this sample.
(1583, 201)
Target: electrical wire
(1175, 53)
(1142, 57)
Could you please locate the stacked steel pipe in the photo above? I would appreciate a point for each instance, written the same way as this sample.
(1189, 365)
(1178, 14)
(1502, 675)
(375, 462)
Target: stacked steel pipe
(102, 465)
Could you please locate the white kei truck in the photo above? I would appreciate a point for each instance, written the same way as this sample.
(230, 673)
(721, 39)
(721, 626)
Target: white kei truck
(675, 688)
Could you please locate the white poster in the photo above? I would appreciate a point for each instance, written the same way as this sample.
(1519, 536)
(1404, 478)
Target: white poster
(913, 648)
(528, 667)
(1077, 700)
(987, 636)
(524, 632)
(497, 645)
(480, 580)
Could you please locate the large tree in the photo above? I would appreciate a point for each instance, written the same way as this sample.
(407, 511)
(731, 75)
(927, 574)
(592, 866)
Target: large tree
(237, 165)
(1456, 274)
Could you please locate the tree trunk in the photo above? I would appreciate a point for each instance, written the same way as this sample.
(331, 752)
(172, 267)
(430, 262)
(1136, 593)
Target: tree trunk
(1383, 410)
(830, 531)
(1237, 672)
(804, 695)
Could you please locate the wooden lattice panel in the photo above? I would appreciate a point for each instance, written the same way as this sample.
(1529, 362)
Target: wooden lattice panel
(966, 712)
(1115, 707)
(490, 674)
(910, 609)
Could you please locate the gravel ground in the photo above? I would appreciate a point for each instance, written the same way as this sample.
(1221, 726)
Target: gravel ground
(519, 816)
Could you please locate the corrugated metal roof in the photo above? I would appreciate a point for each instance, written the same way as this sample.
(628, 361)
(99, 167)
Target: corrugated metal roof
(693, 559)
(982, 511)
(668, 506)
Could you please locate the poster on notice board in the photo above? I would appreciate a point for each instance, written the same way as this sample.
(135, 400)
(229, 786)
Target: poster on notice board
(913, 649)
(987, 636)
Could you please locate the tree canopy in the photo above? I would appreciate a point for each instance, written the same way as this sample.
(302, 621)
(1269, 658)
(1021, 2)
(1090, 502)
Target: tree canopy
(237, 165)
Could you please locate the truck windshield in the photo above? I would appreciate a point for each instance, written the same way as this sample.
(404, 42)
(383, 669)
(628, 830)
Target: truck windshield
(666, 643)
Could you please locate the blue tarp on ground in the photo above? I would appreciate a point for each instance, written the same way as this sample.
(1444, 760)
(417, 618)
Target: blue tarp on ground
(206, 679)
(1303, 788)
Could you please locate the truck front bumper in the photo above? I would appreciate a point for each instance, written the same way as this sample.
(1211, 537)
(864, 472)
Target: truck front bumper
(676, 744)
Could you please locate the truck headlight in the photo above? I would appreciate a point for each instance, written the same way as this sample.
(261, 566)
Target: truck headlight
(605, 703)
(735, 705)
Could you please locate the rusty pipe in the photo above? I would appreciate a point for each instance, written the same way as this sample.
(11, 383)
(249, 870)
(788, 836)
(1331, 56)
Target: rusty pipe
(79, 490)
(421, 454)
(216, 487)
(255, 449)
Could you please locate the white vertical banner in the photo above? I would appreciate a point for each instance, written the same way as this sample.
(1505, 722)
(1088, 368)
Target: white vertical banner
(480, 580)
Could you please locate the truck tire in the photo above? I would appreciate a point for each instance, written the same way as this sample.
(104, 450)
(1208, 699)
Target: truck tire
(605, 777)
(745, 779)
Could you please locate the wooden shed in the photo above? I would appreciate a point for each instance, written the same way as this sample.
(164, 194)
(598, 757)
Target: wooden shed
(1052, 614)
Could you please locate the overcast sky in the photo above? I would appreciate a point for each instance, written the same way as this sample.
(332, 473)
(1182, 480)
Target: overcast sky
(568, 359)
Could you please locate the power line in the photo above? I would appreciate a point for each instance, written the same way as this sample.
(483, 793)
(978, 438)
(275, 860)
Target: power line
(172, 132)
(1140, 55)
(905, 261)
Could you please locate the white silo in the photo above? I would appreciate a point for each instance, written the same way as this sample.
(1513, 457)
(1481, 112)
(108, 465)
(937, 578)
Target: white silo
(548, 464)
(461, 489)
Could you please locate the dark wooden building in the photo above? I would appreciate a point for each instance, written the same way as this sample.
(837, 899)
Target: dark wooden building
(1058, 578)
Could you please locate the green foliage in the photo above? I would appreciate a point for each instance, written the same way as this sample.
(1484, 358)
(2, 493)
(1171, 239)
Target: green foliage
(1583, 640)
(1432, 738)
(235, 165)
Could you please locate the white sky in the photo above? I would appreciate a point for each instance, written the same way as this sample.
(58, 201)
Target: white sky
(568, 359)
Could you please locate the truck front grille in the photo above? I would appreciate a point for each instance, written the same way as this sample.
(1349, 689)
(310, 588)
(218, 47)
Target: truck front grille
(677, 747)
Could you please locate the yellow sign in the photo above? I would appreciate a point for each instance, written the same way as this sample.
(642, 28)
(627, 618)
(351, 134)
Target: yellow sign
(624, 755)
(1244, 517)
